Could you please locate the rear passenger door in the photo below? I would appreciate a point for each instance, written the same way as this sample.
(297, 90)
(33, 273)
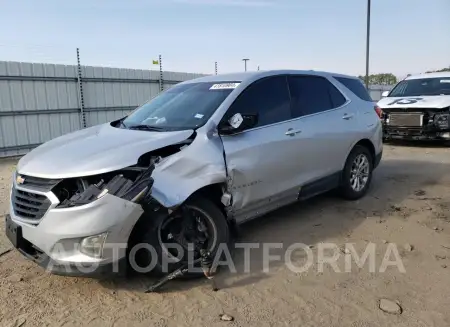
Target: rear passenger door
(325, 122)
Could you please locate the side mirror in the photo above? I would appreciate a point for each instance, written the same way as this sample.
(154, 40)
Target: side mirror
(238, 123)
(384, 94)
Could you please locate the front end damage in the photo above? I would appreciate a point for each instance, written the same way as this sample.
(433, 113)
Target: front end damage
(416, 123)
(132, 184)
(83, 225)
(77, 226)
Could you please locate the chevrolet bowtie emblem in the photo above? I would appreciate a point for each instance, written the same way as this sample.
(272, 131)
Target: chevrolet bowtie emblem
(20, 179)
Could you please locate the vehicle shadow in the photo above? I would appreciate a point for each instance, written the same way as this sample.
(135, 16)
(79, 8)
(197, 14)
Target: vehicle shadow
(325, 218)
(419, 143)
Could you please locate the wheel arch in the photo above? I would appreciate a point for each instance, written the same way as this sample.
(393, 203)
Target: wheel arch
(213, 192)
(368, 144)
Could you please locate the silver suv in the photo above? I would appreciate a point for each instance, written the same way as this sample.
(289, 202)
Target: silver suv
(184, 167)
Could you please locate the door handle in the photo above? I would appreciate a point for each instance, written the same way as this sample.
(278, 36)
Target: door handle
(347, 116)
(292, 132)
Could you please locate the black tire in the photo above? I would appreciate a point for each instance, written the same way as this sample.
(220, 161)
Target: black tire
(151, 234)
(346, 189)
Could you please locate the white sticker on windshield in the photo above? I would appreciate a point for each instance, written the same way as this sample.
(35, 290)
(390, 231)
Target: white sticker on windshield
(445, 80)
(198, 116)
(224, 86)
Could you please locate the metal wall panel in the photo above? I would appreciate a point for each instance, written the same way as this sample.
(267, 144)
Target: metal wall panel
(102, 116)
(21, 95)
(39, 102)
(375, 91)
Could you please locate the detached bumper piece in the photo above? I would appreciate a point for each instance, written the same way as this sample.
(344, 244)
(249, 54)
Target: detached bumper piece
(427, 124)
(206, 262)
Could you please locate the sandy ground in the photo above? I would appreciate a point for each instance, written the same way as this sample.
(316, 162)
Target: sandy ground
(408, 204)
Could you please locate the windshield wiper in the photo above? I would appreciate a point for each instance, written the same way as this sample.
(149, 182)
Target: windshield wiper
(144, 127)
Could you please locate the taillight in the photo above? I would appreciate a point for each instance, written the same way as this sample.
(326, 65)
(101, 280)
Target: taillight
(379, 111)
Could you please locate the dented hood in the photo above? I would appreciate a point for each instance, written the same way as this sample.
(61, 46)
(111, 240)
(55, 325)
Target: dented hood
(433, 101)
(94, 150)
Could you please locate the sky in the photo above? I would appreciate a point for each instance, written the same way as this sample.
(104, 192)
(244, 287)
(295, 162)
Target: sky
(407, 36)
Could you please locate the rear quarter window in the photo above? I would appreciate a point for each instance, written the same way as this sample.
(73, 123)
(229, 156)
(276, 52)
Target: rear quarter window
(356, 86)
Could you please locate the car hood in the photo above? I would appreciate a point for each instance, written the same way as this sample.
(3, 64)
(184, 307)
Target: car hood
(94, 150)
(435, 101)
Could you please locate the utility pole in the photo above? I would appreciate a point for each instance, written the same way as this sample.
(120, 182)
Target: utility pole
(368, 43)
(245, 63)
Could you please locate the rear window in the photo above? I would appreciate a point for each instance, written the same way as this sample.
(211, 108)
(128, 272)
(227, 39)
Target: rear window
(356, 87)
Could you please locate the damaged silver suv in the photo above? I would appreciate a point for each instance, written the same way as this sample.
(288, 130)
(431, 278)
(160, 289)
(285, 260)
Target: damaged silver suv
(186, 166)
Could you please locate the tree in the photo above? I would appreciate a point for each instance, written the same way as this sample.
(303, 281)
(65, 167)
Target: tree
(440, 70)
(381, 79)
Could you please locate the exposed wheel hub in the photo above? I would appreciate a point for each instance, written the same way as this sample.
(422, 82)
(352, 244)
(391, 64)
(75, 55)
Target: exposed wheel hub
(189, 229)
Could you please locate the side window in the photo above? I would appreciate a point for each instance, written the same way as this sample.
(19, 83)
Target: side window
(313, 94)
(269, 98)
(356, 86)
(336, 96)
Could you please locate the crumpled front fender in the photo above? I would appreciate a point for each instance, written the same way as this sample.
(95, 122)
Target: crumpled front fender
(179, 176)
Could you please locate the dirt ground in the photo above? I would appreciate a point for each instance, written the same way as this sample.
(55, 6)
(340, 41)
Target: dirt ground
(408, 204)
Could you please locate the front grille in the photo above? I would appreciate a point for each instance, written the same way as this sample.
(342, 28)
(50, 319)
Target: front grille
(406, 119)
(43, 184)
(29, 205)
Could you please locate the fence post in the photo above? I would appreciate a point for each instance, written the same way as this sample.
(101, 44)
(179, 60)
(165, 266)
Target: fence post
(80, 92)
(161, 79)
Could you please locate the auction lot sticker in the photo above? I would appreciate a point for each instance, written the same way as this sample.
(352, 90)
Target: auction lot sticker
(224, 86)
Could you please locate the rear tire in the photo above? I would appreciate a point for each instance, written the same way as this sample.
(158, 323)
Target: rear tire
(357, 174)
(217, 229)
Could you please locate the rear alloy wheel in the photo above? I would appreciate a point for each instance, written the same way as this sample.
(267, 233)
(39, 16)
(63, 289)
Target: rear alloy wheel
(357, 173)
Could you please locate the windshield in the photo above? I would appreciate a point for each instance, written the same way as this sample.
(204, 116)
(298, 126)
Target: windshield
(185, 106)
(422, 86)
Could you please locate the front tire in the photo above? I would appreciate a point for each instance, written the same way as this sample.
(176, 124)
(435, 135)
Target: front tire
(163, 229)
(357, 174)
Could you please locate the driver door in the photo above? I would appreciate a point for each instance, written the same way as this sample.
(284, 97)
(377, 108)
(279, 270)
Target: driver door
(262, 162)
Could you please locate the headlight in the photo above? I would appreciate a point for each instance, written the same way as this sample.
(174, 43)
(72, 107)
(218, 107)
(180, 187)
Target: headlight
(441, 121)
(93, 245)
